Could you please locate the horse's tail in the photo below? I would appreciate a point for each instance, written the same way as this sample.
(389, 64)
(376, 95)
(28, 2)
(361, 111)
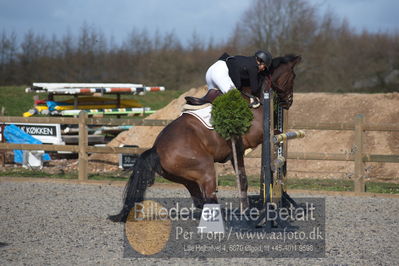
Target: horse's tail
(143, 176)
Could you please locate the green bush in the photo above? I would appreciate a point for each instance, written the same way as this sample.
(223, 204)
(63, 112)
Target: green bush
(231, 115)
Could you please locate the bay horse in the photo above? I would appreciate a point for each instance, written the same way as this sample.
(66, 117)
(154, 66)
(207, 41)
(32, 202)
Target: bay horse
(185, 150)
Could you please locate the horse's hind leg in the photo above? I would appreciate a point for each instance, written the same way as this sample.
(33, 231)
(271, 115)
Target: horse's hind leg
(192, 188)
(204, 178)
(195, 193)
(193, 167)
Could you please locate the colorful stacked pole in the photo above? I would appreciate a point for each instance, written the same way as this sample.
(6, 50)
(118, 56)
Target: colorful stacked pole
(90, 88)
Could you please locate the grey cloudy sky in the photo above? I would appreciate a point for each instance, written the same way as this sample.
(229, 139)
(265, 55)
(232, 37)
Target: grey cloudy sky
(208, 18)
(372, 15)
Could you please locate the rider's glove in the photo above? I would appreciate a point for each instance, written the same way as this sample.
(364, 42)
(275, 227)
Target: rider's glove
(254, 102)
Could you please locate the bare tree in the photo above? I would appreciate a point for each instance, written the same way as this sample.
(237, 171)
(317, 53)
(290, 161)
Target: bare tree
(8, 56)
(273, 25)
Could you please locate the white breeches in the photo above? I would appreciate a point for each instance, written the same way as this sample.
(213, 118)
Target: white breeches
(217, 77)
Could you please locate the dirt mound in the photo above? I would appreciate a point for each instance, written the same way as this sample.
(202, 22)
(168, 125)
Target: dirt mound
(315, 107)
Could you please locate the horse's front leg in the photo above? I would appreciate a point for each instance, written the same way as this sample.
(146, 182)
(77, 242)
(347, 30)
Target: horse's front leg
(208, 186)
(244, 202)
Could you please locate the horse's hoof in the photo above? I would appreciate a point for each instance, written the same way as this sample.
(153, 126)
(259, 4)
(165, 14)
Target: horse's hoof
(115, 218)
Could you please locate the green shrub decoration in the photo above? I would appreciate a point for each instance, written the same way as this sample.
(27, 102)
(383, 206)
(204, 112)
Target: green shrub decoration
(231, 115)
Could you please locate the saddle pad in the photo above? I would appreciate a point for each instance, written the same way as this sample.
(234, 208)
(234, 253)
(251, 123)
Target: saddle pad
(203, 115)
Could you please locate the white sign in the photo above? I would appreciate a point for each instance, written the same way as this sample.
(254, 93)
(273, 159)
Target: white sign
(211, 219)
(46, 133)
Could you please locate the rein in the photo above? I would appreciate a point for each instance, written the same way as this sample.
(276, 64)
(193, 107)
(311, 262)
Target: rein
(247, 94)
(268, 83)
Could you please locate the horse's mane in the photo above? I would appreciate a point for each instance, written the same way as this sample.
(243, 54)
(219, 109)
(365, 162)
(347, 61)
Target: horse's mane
(282, 60)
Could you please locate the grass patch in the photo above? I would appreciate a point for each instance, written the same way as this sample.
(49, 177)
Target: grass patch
(309, 184)
(321, 184)
(22, 172)
(34, 173)
(156, 100)
(16, 101)
(118, 176)
(227, 180)
(318, 184)
(379, 187)
(161, 180)
(230, 181)
(342, 185)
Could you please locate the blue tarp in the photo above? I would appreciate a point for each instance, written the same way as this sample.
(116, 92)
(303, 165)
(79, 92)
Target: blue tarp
(14, 134)
(52, 105)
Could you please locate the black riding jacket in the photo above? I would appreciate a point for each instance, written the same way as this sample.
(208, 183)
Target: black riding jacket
(243, 71)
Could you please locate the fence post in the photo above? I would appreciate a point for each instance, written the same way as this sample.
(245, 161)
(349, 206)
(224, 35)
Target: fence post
(83, 143)
(359, 164)
(3, 140)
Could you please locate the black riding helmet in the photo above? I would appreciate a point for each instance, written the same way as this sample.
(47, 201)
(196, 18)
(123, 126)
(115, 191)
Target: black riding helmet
(264, 57)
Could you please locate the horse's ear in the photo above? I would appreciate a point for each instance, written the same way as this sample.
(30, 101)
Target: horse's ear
(296, 60)
(275, 62)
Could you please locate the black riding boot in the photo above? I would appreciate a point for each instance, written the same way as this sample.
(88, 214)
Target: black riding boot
(208, 98)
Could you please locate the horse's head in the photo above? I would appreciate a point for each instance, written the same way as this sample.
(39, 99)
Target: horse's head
(282, 77)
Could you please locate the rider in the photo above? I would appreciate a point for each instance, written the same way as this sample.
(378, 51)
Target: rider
(234, 72)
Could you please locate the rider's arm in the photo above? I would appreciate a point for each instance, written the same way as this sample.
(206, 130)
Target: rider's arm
(253, 79)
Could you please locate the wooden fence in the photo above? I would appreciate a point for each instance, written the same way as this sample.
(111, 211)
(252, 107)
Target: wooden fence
(358, 156)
